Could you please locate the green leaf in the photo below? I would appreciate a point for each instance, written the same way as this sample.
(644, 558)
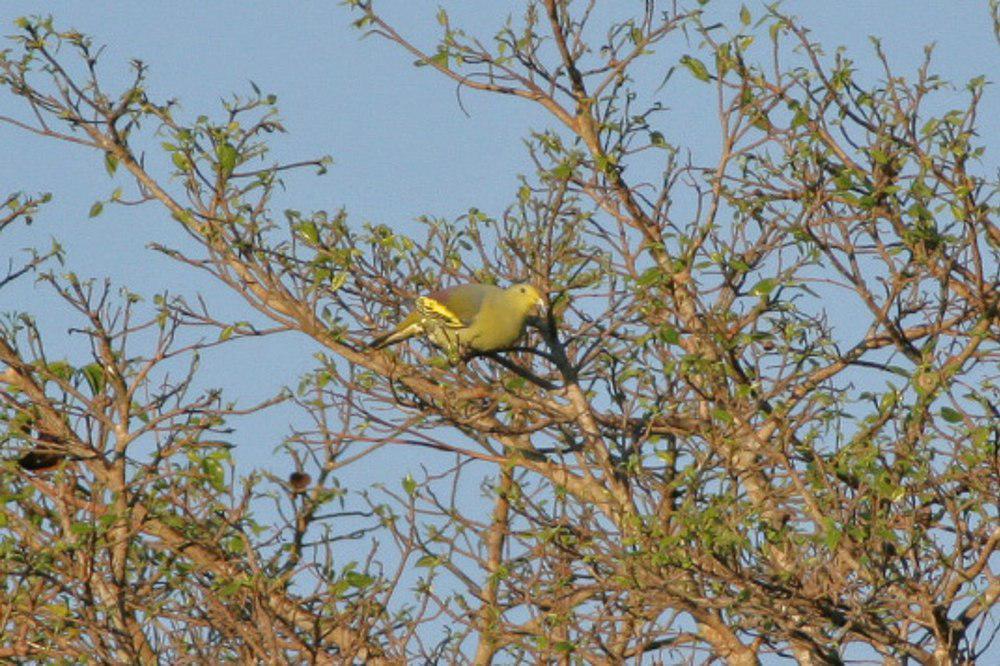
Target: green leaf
(563, 171)
(440, 59)
(181, 161)
(110, 163)
(764, 287)
(775, 29)
(744, 15)
(650, 276)
(338, 280)
(96, 209)
(79, 528)
(696, 67)
(950, 415)
(879, 156)
(722, 415)
(831, 535)
(515, 384)
(428, 561)
(309, 231)
(358, 580)
(760, 120)
(95, 377)
(606, 163)
(670, 335)
(215, 474)
(409, 484)
(227, 155)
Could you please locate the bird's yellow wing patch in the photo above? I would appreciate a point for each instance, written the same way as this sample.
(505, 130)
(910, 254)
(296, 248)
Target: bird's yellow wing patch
(434, 309)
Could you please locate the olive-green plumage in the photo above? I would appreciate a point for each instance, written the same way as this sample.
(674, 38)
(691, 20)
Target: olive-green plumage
(478, 317)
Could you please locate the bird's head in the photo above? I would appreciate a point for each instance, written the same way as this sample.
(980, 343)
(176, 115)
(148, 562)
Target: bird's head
(526, 297)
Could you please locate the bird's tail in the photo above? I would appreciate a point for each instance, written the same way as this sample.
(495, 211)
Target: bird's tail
(392, 337)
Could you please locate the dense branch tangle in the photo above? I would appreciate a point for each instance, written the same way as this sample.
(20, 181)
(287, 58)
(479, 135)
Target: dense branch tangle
(677, 463)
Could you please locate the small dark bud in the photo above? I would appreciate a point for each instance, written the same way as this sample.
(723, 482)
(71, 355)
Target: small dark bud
(299, 481)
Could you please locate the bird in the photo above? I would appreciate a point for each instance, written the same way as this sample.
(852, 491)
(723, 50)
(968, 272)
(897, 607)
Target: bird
(473, 316)
(45, 456)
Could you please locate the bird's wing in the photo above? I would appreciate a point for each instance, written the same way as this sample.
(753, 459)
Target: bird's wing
(434, 310)
(454, 307)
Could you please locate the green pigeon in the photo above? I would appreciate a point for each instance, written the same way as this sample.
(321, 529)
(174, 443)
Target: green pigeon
(477, 317)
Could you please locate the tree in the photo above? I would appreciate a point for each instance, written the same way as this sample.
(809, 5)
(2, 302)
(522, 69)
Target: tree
(688, 458)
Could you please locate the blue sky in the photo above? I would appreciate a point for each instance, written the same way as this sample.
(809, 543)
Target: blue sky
(401, 145)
